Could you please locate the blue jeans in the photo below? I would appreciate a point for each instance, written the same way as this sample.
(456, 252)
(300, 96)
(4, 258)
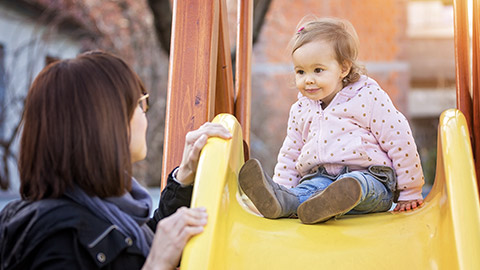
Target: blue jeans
(376, 197)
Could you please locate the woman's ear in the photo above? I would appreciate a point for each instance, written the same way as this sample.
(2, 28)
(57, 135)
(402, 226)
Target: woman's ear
(346, 67)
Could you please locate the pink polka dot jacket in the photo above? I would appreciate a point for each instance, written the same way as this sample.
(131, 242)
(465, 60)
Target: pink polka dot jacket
(360, 127)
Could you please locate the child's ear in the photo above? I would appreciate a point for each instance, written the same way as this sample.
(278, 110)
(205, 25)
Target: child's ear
(346, 67)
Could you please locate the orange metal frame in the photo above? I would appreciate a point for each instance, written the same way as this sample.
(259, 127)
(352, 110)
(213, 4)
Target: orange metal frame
(200, 83)
(468, 83)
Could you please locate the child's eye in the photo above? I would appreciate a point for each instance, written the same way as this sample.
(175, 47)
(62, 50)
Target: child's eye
(318, 70)
(300, 72)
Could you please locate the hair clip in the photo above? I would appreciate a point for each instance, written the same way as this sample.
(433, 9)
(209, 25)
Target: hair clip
(301, 28)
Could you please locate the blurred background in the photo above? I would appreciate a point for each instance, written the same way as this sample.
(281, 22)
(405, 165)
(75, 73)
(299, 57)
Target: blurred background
(406, 46)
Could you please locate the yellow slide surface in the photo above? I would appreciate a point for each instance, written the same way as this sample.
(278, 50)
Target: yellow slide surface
(443, 234)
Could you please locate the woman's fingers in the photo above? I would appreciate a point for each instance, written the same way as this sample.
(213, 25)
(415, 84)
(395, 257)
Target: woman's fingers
(190, 223)
(194, 143)
(197, 148)
(185, 217)
(182, 225)
(172, 235)
(214, 129)
(209, 129)
(190, 159)
(192, 217)
(189, 232)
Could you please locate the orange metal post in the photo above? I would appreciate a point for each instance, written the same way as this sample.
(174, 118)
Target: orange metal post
(243, 83)
(192, 72)
(224, 97)
(462, 63)
(476, 86)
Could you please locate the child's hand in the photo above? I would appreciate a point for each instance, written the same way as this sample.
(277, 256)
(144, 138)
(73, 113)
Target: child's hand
(407, 205)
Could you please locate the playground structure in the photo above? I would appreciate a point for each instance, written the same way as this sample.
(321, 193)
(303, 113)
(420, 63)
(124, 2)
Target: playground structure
(443, 234)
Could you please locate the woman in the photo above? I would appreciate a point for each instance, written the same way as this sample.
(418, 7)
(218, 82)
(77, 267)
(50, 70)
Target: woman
(84, 125)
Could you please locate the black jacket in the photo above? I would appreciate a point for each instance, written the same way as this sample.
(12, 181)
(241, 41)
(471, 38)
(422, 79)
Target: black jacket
(61, 234)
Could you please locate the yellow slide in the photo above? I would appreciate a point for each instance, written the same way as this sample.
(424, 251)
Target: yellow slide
(443, 234)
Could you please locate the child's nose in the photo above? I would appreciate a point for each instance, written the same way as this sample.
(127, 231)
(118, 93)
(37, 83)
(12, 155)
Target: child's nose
(309, 80)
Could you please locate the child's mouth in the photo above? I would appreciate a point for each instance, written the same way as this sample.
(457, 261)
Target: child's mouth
(312, 90)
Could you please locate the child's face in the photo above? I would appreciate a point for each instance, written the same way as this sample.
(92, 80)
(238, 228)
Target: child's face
(138, 131)
(318, 75)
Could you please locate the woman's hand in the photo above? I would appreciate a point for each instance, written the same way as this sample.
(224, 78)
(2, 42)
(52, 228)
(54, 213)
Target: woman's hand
(172, 235)
(407, 205)
(194, 142)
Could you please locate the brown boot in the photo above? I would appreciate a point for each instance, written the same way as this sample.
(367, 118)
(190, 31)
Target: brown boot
(338, 198)
(270, 198)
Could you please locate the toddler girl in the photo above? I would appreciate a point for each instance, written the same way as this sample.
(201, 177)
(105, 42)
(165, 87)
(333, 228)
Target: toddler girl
(348, 150)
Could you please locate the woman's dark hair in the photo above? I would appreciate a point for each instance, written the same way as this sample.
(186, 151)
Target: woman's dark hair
(76, 127)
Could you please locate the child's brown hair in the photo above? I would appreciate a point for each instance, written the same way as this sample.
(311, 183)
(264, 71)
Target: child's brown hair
(341, 34)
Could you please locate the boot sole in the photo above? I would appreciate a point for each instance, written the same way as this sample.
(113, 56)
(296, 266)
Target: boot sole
(338, 198)
(255, 185)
